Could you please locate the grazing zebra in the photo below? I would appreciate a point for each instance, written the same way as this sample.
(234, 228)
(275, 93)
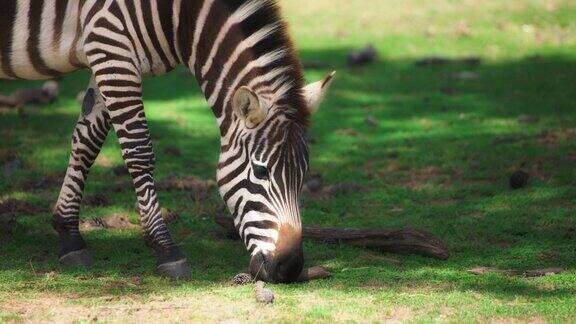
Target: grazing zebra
(247, 68)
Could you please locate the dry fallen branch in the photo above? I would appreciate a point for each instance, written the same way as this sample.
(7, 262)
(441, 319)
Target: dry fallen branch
(406, 240)
(314, 273)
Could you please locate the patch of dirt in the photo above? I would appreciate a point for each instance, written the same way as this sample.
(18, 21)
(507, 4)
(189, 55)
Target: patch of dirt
(12, 166)
(185, 183)
(374, 285)
(513, 272)
(441, 202)
(501, 244)
(314, 187)
(554, 137)
(397, 174)
(10, 209)
(462, 29)
(7, 155)
(114, 221)
(347, 132)
(420, 178)
(170, 215)
(46, 182)
(7, 223)
(325, 192)
(533, 320)
(201, 307)
(98, 199)
(120, 170)
(550, 255)
(19, 206)
(399, 315)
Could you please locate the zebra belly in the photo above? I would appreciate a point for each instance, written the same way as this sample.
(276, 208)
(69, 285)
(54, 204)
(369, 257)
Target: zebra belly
(39, 39)
(21, 67)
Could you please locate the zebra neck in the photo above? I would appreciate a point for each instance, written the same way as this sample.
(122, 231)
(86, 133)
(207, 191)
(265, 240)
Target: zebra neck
(228, 44)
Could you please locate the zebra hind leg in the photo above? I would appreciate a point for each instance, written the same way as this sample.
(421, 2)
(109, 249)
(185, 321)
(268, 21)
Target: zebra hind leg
(87, 139)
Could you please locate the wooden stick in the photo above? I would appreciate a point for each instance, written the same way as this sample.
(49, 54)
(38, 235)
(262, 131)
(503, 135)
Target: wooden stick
(313, 273)
(404, 241)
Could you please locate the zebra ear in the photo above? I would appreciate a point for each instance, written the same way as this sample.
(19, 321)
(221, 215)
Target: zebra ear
(248, 106)
(314, 92)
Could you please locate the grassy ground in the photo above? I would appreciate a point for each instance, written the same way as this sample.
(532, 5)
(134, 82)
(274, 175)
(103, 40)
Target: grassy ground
(439, 160)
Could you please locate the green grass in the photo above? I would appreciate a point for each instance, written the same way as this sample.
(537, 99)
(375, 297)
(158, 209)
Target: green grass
(437, 162)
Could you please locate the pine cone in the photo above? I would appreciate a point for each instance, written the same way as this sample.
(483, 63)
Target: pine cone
(242, 279)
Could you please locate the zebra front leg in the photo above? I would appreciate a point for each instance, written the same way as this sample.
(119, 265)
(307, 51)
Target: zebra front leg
(122, 95)
(87, 139)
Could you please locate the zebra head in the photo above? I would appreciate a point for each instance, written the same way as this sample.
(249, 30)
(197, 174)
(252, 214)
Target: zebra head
(260, 174)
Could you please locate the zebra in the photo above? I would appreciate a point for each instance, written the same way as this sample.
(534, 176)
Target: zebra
(247, 68)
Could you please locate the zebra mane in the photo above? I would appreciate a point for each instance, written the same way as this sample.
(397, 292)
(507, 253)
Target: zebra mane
(292, 87)
(261, 20)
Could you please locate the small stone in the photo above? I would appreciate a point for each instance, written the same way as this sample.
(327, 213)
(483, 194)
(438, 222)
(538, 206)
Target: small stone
(314, 183)
(242, 279)
(263, 295)
(519, 179)
(50, 90)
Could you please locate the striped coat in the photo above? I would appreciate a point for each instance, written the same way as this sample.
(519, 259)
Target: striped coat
(246, 66)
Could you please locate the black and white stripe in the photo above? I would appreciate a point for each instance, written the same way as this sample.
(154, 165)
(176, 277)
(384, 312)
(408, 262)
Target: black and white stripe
(243, 61)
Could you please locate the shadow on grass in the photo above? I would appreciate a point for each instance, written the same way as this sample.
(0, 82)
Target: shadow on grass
(438, 159)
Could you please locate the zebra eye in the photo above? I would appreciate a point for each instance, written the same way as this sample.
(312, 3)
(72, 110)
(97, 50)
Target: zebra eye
(260, 171)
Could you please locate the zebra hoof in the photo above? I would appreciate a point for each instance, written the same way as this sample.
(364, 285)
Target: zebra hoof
(79, 258)
(177, 270)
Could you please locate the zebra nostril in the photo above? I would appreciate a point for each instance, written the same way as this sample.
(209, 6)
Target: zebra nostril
(289, 266)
